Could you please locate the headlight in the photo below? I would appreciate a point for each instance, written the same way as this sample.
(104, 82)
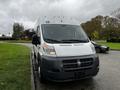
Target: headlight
(93, 48)
(48, 50)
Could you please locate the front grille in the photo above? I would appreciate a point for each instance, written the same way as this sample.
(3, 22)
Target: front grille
(77, 64)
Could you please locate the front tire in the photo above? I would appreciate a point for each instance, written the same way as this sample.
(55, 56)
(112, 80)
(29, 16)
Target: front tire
(41, 76)
(98, 50)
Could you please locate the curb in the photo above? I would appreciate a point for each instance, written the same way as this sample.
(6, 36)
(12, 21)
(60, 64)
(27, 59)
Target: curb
(115, 49)
(31, 68)
(32, 75)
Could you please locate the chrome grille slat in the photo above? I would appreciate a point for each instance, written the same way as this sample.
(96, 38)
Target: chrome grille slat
(69, 63)
(70, 66)
(76, 69)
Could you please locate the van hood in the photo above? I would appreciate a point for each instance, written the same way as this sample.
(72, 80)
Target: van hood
(78, 49)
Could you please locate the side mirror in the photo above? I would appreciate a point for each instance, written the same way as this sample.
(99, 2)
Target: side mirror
(35, 40)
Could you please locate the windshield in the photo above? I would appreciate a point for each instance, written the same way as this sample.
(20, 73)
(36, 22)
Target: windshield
(61, 33)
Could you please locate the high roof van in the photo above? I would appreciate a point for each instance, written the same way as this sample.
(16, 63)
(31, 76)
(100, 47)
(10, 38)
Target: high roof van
(63, 52)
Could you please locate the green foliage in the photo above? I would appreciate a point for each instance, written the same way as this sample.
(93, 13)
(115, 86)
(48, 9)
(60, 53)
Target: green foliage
(115, 46)
(93, 27)
(20, 34)
(102, 28)
(95, 34)
(28, 34)
(112, 28)
(18, 31)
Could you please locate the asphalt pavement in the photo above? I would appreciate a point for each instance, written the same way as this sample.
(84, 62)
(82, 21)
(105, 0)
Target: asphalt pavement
(108, 77)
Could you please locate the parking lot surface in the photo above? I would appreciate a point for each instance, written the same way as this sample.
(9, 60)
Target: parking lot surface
(108, 77)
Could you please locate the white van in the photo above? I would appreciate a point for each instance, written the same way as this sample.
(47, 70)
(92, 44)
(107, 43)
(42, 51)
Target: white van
(63, 52)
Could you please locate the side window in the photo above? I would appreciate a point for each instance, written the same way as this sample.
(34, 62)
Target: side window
(38, 30)
(38, 33)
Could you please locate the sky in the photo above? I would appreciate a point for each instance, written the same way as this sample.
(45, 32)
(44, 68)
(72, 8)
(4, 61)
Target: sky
(28, 11)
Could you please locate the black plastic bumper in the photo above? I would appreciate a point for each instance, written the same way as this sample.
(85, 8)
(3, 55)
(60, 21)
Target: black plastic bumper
(52, 68)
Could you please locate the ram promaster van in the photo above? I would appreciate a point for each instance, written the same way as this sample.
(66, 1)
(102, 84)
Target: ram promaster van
(63, 52)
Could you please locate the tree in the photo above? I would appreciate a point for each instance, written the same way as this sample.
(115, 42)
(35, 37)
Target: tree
(116, 13)
(100, 27)
(29, 33)
(112, 28)
(17, 31)
(93, 27)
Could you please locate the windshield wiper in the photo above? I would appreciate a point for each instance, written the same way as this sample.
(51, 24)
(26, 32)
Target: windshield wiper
(65, 41)
(74, 40)
(52, 40)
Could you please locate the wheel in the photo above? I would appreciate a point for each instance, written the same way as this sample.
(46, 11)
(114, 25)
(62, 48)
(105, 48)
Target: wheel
(40, 76)
(107, 52)
(35, 63)
(97, 50)
(104, 51)
(39, 59)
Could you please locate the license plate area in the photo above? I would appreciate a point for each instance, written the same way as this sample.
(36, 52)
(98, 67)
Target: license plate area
(79, 74)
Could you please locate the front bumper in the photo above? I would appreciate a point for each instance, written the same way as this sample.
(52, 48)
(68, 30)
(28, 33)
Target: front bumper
(104, 49)
(68, 69)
